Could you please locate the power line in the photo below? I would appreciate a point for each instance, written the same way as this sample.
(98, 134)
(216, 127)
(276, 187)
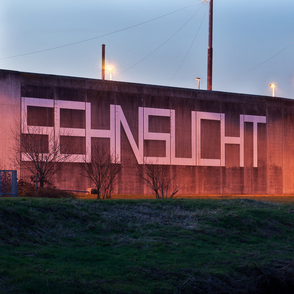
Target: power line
(166, 40)
(189, 47)
(273, 56)
(97, 37)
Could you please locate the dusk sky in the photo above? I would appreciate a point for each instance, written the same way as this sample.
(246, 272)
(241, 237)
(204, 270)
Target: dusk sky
(159, 42)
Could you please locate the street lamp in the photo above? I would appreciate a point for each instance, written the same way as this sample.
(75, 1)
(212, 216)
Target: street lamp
(110, 69)
(273, 86)
(198, 79)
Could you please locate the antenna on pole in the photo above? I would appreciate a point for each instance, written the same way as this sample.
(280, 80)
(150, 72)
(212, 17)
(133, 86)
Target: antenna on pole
(209, 63)
(103, 62)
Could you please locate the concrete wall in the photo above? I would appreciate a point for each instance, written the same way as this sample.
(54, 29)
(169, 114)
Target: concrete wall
(212, 142)
(10, 88)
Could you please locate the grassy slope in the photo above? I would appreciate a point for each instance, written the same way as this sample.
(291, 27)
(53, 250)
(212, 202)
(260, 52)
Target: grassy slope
(145, 246)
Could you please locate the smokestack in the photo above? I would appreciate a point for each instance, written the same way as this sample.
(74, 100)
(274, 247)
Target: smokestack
(209, 63)
(103, 62)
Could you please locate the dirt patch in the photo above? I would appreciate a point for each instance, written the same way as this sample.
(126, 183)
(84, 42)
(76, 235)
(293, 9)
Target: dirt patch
(269, 198)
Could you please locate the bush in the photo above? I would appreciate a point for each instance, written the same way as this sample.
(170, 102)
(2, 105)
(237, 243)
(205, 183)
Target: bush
(53, 193)
(25, 189)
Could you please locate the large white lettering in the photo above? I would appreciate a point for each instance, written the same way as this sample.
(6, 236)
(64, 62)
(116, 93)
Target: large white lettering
(118, 121)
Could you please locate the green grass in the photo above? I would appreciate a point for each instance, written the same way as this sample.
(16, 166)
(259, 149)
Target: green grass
(145, 246)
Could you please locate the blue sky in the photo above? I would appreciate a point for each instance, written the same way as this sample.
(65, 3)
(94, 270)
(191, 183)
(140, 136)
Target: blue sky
(160, 42)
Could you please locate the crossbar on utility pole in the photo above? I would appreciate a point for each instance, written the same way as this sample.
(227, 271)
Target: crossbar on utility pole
(209, 61)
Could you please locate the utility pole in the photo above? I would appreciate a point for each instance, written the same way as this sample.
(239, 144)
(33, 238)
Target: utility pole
(209, 63)
(103, 62)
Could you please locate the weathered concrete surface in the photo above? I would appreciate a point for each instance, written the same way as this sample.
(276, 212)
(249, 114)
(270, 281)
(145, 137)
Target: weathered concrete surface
(213, 142)
(10, 88)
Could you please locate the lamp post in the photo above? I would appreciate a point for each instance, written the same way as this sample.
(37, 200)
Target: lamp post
(198, 79)
(273, 86)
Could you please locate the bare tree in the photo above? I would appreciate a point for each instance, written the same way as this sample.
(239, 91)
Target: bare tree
(102, 171)
(158, 179)
(40, 153)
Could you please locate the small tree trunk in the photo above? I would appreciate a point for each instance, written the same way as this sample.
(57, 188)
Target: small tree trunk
(42, 181)
(162, 192)
(36, 181)
(157, 194)
(98, 193)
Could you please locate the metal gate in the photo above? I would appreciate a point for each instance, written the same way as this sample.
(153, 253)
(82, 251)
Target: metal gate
(8, 183)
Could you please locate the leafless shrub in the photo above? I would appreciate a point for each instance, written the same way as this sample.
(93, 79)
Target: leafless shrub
(102, 171)
(38, 152)
(158, 179)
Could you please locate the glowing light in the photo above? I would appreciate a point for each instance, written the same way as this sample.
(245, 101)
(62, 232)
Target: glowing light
(111, 70)
(273, 86)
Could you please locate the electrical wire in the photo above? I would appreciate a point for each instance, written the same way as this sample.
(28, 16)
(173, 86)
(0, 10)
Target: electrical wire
(164, 41)
(101, 36)
(273, 56)
(189, 48)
